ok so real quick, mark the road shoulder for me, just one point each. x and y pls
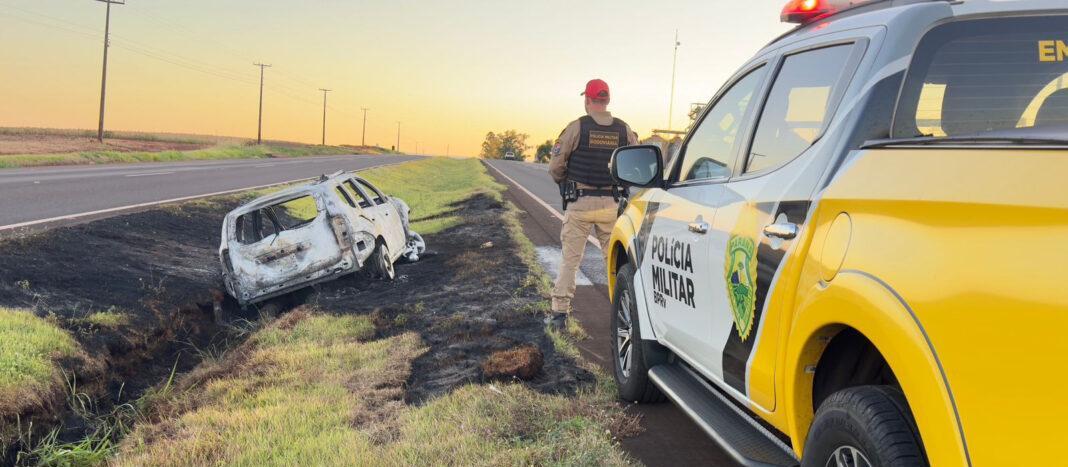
(668, 438)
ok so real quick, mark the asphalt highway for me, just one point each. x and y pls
(669, 438)
(39, 197)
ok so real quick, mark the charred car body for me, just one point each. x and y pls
(313, 233)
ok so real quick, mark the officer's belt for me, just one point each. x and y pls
(582, 192)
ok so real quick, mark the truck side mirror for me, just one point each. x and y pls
(639, 166)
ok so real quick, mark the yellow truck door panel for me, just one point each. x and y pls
(975, 243)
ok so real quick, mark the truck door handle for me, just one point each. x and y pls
(699, 227)
(783, 230)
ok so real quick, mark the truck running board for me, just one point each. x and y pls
(735, 431)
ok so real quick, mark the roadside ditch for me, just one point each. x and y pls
(136, 293)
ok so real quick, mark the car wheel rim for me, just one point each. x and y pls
(624, 346)
(848, 456)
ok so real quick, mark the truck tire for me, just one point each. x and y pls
(381, 267)
(864, 426)
(634, 356)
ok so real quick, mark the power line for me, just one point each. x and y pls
(135, 47)
(114, 40)
(93, 35)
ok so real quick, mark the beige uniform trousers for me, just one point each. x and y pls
(596, 213)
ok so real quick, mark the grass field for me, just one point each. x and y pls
(124, 135)
(113, 151)
(28, 354)
(318, 389)
(432, 187)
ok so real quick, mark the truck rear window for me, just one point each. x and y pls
(990, 75)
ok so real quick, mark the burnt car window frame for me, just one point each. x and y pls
(365, 201)
(340, 191)
(282, 227)
(379, 198)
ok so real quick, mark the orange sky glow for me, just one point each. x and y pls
(450, 71)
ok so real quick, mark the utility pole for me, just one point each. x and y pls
(674, 63)
(363, 139)
(324, 113)
(447, 150)
(259, 125)
(104, 73)
(398, 136)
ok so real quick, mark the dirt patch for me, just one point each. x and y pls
(57, 144)
(523, 362)
(467, 302)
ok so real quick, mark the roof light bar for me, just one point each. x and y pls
(807, 11)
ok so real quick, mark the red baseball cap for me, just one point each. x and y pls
(596, 89)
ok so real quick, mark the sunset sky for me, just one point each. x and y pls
(449, 70)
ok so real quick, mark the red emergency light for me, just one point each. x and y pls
(803, 11)
(807, 11)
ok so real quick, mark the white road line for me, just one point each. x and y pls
(552, 210)
(264, 165)
(150, 174)
(168, 201)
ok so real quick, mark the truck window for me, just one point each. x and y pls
(987, 75)
(798, 106)
(711, 151)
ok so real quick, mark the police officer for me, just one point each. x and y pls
(579, 163)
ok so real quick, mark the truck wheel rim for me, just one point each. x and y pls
(848, 456)
(624, 346)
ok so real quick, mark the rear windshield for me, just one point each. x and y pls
(991, 75)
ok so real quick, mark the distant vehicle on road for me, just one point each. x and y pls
(857, 257)
(301, 236)
(511, 156)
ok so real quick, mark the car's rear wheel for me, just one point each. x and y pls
(381, 266)
(633, 355)
(865, 426)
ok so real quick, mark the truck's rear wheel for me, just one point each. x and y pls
(865, 426)
(381, 267)
(633, 355)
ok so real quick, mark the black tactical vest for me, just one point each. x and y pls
(588, 164)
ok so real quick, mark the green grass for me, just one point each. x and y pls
(127, 135)
(432, 187)
(212, 153)
(28, 354)
(108, 319)
(316, 390)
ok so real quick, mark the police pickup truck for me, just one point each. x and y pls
(858, 257)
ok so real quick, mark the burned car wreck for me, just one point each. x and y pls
(301, 236)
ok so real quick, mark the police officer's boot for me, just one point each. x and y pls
(557, 321)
